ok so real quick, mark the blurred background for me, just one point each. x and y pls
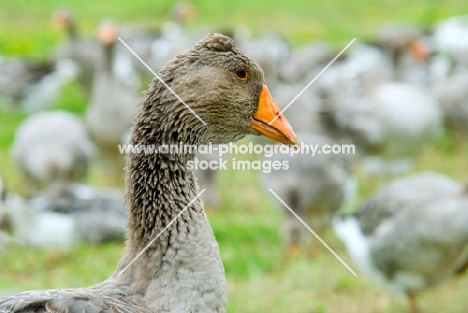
(68, 90)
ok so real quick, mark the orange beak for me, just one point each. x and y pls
(279, 130)
(419, 49)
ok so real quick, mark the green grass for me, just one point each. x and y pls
(26, 27)
(261, 278)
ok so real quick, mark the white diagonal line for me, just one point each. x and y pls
(313, 233)
(160, 233)
(312, 81)
(163, 82)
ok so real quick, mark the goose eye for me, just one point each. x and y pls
(241, 74)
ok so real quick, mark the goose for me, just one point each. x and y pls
(84, 52)
(66, 214)
(180, 270)
(31, 86)
(52, 147)
(409, 235)
(111, 107)
(452, 96)
(450, 37)
(390, 121)
(173, 41)
(406, 48)
(315, 187)
(306, 62)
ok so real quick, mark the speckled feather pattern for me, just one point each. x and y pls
(182, 270)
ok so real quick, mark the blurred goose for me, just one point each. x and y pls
(67, 214)
(406, 48)
(16, 76)
(84, 52)
(305, 62)
(304, 113)
(173, 41)
(452, 95)
(389, 121)
(111, 108)
(410, 234)
(52, 147)
(183, 11)
(171, 262)
(314, 187)
(451, 37)
(31, 86)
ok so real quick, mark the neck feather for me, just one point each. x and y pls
(159, 186)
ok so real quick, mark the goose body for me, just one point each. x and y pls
(450, 37)
(179, 271)
(410, 235)
(84, 52)
(50, 147)
(304, 112)
(30, 86)
(305, 63)
(452, 95)
(389, 120)
(111, 108)
(66, 215)
(314, 187)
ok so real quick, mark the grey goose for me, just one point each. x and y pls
(181, 271)
(52, 147)
(410, 235)
(314, 187)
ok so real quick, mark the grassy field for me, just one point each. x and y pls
(261, 278)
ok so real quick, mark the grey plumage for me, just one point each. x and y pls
(98, 214)
(452, 95)
(403, 193)
(30, 86)
(84, 52)
(70, 214)
(52, 147)
(315, 187)
(411, 234)
(112, 105)
(181, 271)
(389, 120)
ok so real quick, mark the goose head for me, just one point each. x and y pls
(226, 95)
(64, 20)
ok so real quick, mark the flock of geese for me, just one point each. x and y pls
(390, 98)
